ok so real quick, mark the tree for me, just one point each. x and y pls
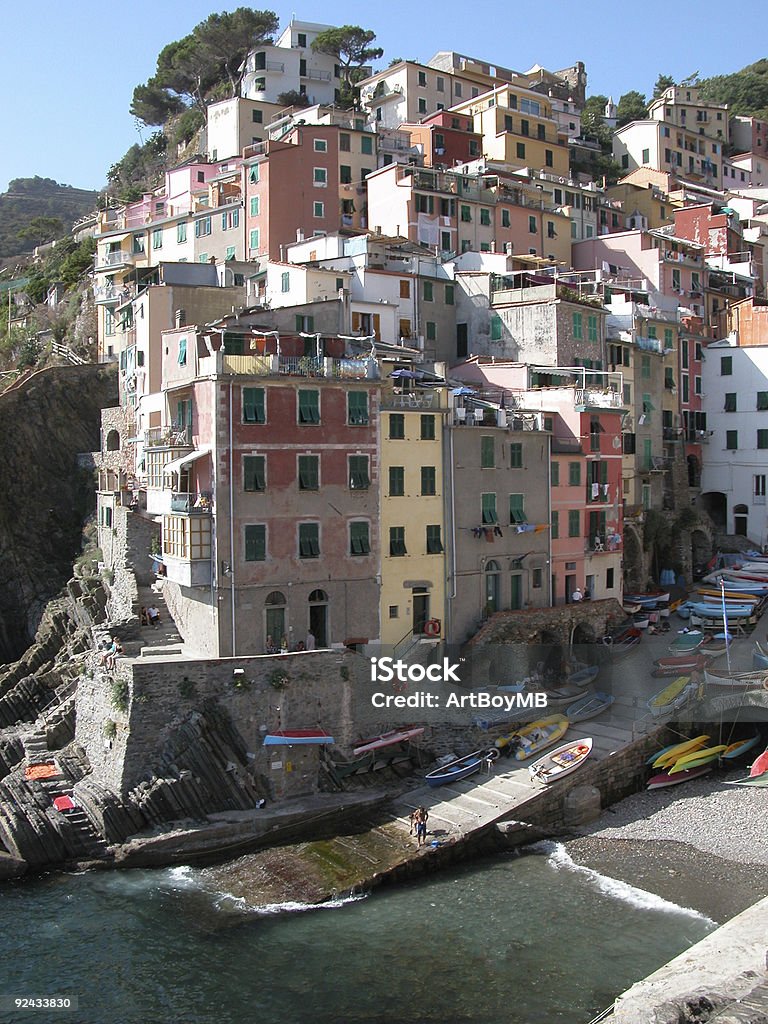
(593, 121)
(663, 82)
(351, 46)
(293, 98)
(189, 69)
(632, 106)
(42, 229)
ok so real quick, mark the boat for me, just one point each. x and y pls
(695, 758)
(529, 740)
(297, 737)
(387, 739)
(759, 657)
(688, 641)
(735, 586)
(648, 600)
(680, 664)
(641, 620)
(461, 768)
(673, 696)
(584, 676)
(358, 766)
(759, 780)
(723, 677)
(710, 610)
(588, 706)
(663, 779)
(740, 747)
(760, 766)
(562, 761)
(631, 608)
(622, 641)
(668, 755)
(731, 594)
(561, 696)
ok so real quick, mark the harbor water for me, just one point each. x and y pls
(529, 939)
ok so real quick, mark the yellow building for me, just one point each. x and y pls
(518, 129)
(413, 534)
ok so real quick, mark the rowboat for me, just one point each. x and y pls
(641, 620)
(461, 768)
(740, 747)
(529, 740)
(561, 761)
(710, 610)
(358, 766)
(648, 600)
(720, 677)
(675, 666)
(731, 594)
(673, 696)
(663, 780)
(562, 696)
(666, 757)
(297, 737)
(696, 758)
(588, 706)
(734, 585)
(584, 676)
(687, 642)
(387, 739)
(622, 641)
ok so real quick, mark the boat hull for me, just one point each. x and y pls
(459, 769)
(535, 737)
(663, 780)
(562, 761)
(589, 706)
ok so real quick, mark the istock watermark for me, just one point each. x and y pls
(386, 670)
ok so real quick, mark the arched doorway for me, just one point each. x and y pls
(113, 441)
(492, 587)
(715, 505)
(740, 520)
(274, 618)
(318, 617)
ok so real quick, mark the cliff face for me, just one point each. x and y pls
(45, 492)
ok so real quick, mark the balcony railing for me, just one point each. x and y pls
(316, 76)
(411, 400)
(295, 366)
(112, 293)
(191, 502)
(649, 344)
(170, 436)
(115, 259)
(600, 399)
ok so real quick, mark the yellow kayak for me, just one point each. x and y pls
(696, 758)
(670, 692)
(672, 755)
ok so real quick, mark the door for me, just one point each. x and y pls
(570, 586)
(420, 610)
(516, 595)
(318, 620)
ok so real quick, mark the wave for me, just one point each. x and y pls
(287, 907)
(560, 859)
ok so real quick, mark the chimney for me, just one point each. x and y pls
(180, 318)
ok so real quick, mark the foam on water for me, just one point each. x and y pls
(287, 907)
(560, 858)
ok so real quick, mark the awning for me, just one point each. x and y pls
(184, 460)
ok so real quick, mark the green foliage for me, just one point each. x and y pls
(39, 201)
(663, 82)
(187, 688)
(68, 262)
(593, 122)
(187, 126)
(140, 167)
(351, 46)
(29, 353)
(153, 104)
(110, 729)
(119, 694)
(293, 98)
(632, 106)
(278, 680)
(745, 91)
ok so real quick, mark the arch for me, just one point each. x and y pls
(318, 619)
(715, 504)
(318, 597)
(113, 441)
(275, 625)
(740, 520)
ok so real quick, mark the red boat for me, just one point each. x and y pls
(682, 664)
(662, 780)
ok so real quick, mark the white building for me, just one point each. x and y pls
(735, 462)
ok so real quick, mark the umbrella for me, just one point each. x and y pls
(463, 391)
(405, 375)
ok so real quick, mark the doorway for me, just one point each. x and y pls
(516, 595)
(570, 586)
(420, 609)
(318, 617)
(274, 619)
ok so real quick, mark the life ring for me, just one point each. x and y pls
(432, 627)
(493, 754)
(607, 640)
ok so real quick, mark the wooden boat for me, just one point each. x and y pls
(622, 641)
(731, 594)
(561, 761)
(668, 755)
(529, 740)
(388, 739)
(711, 610)
(683, 663)
(562, 696)
(737, 586)
(297, 737)
(696, 758)
(722, 677)
(735, 750)
(663, 780)
(673, 696)
(648, 600)
(461, 768)
(630, 608)
(584, 676)
(687, 642)
(641, 620)
(588, 706)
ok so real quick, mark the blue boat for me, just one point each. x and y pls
(460, 768)
(584, 676)
(710, 610)
(297, 737)
(588, 706)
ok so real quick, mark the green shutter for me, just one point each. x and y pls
(357, 408)
(309, 540)
(359, 539)
(487, 452)
(309, 406)
(515, 456)
(488, 505)
(517, 509)
(253, 473)
(434, 543)
(253, 405)
(396, 481)
(359, 479)
(255, 543)
(309, 472)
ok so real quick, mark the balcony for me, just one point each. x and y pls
(411, 400)
(672, 433)
(294, 366)
(653, 463)
(111, 293)
(172, 436)
(110, 260)
(316, 76)
(598, 546)
(187, 549)
(598, 399)
(192, 502)
(649, 344)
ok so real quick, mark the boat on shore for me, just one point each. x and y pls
(297, 737)
(648, 600)
(589, 706)
(689, 641)
(674, 696)
(740, 747)
(622, 641)
(525, 742)
(562, 761)
(461, 768)
(388, 739)
(696, 758)
(583, 676)
(668, 755)
(677, 665)
(663, 779)
(721, 676)
(759, 657)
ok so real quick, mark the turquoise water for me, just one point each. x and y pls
(526, 939)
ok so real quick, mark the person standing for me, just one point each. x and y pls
(577, 595)
(310, 643)
(421, 826)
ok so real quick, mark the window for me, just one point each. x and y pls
(359, 477)
(762, 439)
(554, 474)
(485, 217)
(320, 146)
(257, 117)
(427, 428)
(532, 225)
(309, 472)
(434, 543)
(397, 541)
(202, 227)
(495, 327)
(609, 579)
(574, 474)
(422, 106)
(345, 174)
(366, 145)
(520, 150)
(487, 452)
(428, 291)
(551, 233)
(319, 177)
(357, 408)
(505, 218)
(466, 214)
(488, 507)
(759, 486)
(309, 540)
(254, 239)
(202, 257)
(405, 289)
(359, 539)
(591, 328)
(230, 253)
(525, 127)
(431, 330)
(449, 294)
(726, 366)
(646, 156)
(549, 158)
(301, 39)
(138, 244)
(304, 324)
(254, 478)
(516, 456)
(732, 440)
(578, 333)
(574, 523)
(255, 543)
(254, 174)
(318, 209)
(396, 481)
(428, 486)
(397, 426)
(182, 357)
(422, 78)
(309, 406)
(554, 530)
(645, 367)
(730, 401)
(345, 142)
(517, 509)
(424, 204)
(285, 282)
(181, 232)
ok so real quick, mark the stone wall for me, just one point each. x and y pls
(529, 626)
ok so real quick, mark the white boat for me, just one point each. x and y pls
(561, 761)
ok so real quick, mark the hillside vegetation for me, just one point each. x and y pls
(36, 210)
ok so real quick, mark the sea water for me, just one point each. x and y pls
(527, 939)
